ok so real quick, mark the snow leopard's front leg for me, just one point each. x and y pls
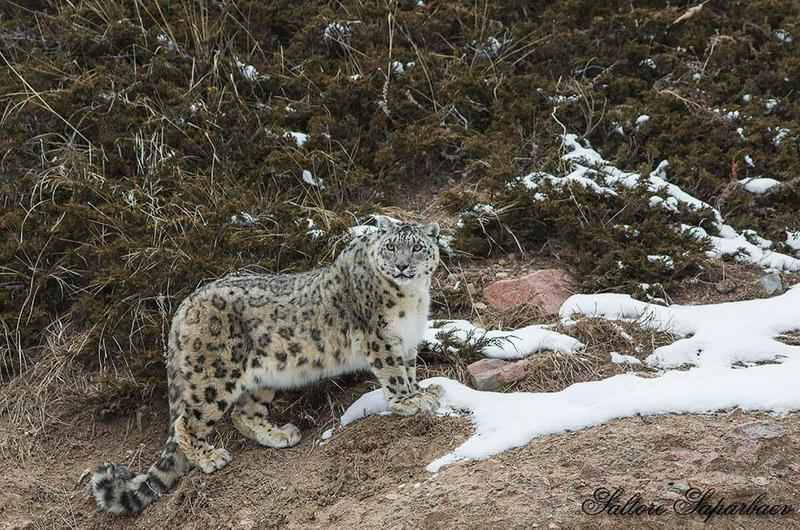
(397, 375)
(410, 362)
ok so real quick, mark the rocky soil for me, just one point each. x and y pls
(371, 475)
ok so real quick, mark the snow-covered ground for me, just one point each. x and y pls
(717, 335)
(737, 359)
(733, 351)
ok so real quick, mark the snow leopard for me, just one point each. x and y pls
(237, 340)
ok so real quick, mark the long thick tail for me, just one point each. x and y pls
(117, 490)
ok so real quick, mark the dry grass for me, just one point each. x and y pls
(44, 395)
(552, 372)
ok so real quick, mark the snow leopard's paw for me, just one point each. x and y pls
(436, 390)
(423, 401)
(213, 458)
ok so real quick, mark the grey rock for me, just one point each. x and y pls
(771, 283)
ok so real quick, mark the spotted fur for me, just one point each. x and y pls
(235, 341)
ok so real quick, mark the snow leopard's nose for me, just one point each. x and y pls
(401, 268)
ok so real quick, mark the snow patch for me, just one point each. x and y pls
(724, 342)
(732, 115)
(505, 421)
(780, 136)
(360, 230)
(641, 120)
(670, 204)
(770, 105)
(558, 99)
(759, 186)
(793, 240)
(533, 180)
(337, 32)
(490, 48)
(756, 239)
(167, 43)
(476, 211)
(514, 344)
(247, 70)
(718, 335)
(299, 138)
(446, 244)
(784, 36)
(664, 260)
(620, 358)
(244, 219)
(585, 162)
(196, 107)
(311, 180)
(313, 232)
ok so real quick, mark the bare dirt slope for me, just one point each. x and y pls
(372, 475)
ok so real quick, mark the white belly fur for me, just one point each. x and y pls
(291, 379)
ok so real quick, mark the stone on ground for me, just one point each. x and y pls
(546, 288)
(771, 283)
(491, 374)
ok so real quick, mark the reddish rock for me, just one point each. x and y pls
(546, 288)
(491, 374)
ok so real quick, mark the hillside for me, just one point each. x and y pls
(636, 148)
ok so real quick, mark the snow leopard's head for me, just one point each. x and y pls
(404, 252)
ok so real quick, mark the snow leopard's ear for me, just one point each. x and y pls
(384, 223)
(432, 230)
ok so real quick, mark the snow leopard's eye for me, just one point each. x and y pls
(417, 248)
(390, 247)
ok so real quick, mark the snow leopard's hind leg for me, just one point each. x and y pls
(250, 418)
(204, 401)
(192, 437)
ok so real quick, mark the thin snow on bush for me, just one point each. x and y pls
(247, 70)
(514, 344)
(590, 170)
(312, 180)
(337, 32)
